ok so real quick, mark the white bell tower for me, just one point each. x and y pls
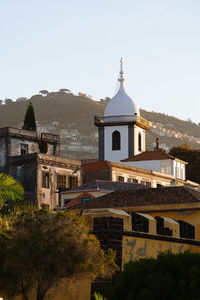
(121, 130)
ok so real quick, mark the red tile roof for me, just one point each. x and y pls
(100, 165)
(101, 185)
(159, 154)
(144, 197)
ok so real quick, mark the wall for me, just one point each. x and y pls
(50, 195)
(135, 248)
(191, 216)
(179, 166)
(26, 174)
(146, 176)
(146, 164)
(3, 153)
(116, 155)
(138, 130)
(14, 146)
(104, 174)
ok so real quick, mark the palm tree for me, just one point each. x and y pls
(9, 189)
(98, 296)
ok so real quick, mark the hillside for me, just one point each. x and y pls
(72, 117)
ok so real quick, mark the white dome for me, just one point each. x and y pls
(121, 105)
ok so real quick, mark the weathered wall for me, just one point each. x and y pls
(3, 153)
(97, 175)
(134, 248)
(191, 216)
(26, 174)
(50, 195)
(14, 146)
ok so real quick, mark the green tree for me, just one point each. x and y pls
(9, 189)
(170, 276)
(44, 247)
(192, 156)
(29, 119)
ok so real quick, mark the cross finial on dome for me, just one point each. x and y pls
(121, 73)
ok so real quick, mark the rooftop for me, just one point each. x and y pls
(106, 185)
(158, 154)
(144, 197)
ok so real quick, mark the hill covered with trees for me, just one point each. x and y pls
(72, 116)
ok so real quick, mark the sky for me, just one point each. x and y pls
(54, 44)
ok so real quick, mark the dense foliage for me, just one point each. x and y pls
(42, 247)
(170, 276)
(192, 156)
(29, 119)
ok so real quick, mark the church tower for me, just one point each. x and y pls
(121, 130)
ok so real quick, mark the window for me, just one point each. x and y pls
(73, 182)
(177, 172)
(84, 199)
(139, 223)
(186, 230)
(65, 201)
(45, 180)
(147, 183)
(132, 180)
(61, 181)
(158, 185)
(160, 227)
(120, 178)
(24, 149)
(108, 223)
(139, 142)
(166, 167)
(182, 177)
(116, 140)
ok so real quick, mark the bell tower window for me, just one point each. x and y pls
(116, 140)
(139, 142)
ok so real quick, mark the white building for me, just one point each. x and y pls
(122, 137)
(121, 130)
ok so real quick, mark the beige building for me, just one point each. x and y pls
(114, 171)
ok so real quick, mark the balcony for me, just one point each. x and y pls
(121, 120)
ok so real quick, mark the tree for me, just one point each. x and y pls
(29, 119)
(9, 189)
(8, 101)
(44, 247)
(192, 156)
(169, 276)
(44, 92)
(21, 99)
(64, 91)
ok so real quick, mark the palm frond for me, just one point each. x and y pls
(98, 296)
(9, 188)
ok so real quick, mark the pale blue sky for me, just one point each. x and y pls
(53, 44)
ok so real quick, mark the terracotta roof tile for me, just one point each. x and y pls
(142, 197)
(100, 165)
(150, 155)
(158, 154)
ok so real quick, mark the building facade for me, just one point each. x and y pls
(36, 163)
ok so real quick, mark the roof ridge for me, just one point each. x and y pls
(189, 190)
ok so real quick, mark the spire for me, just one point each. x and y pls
(121, 73)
